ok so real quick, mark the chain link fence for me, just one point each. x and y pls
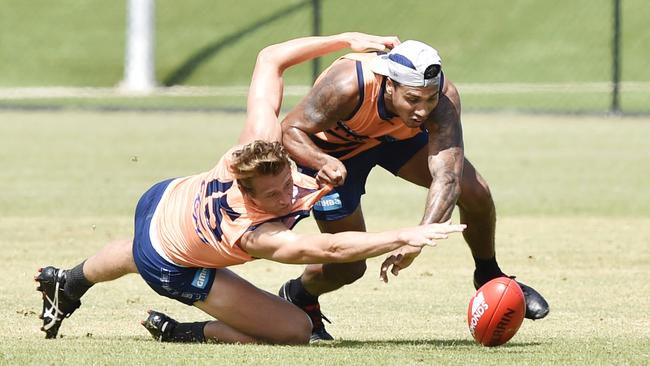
(551, 56)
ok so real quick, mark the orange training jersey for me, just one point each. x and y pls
(370, 123)
(201, 218)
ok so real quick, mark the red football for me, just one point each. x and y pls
(496, 311)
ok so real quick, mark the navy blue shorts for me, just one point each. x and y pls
(343, 200)
(184, 284)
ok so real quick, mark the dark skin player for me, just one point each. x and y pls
(440, 166)
(334, 98)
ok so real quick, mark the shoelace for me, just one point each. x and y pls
(53, 312)
(324, 318)
(315, 313)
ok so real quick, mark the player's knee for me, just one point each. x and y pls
(303, 332)
(357, 271)
(297, 333)
(124, 251)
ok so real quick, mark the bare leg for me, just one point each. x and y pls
(111, 262)
(478, 212)
(248, 314)
(217, 331)
(318, 279)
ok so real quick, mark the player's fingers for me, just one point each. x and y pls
(334, 178)
(446, 228)
(438, 236)
(340, 176)
(341, 171)
(343, 176)
(331, 171)
(382, 274)
(379, 46)
(384, 268)
(382, 271)
(392, 42)
(373, 46)
(429, 243)
(322, 179)
(326, 176)
(456, 228)
(397, 264)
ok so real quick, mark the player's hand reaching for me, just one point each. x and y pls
(415, 238)
(361, 42)
(398, 260)
(419, 236)
(333, 172)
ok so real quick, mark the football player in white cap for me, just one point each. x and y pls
(397, 111)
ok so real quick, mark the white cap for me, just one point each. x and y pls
(411, 63)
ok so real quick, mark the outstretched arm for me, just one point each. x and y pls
(274, 241)
(265, 93)
(445, 161)
(446, 157)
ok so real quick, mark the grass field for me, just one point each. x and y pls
(574, 221)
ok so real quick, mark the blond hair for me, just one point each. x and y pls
(258, 158)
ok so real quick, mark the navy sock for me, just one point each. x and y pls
(188, 333)
(298, 294)
(76, 284)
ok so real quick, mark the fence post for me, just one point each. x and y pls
(616, 58)
(139, 65)
(316, 31)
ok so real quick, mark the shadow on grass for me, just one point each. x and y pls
(350, 344)
(333, 344)
(438, 343)
(187, 68)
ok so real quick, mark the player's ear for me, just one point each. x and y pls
(390, 87)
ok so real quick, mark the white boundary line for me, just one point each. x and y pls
(300, 90)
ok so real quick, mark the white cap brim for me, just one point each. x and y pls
(379, 65)
(382, 65)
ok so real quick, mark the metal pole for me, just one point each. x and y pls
(316, 31)
(139, 75)
(616, 59)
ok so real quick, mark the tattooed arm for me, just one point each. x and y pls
(446, 159)
(332, 99)
(446, 156)
(265, 92)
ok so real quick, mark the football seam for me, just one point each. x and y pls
(503, 294)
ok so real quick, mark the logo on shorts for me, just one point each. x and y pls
(201, 278)
(329, 202)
